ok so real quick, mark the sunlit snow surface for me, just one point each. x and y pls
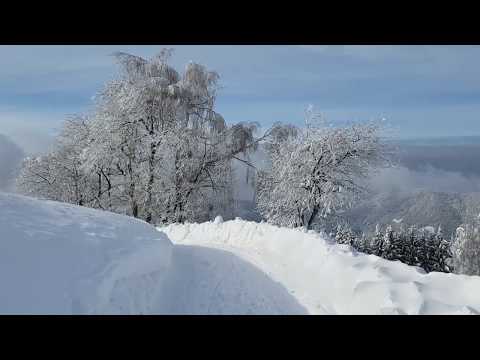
(326, 278)
(62, 259)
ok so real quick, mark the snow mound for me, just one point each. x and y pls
(62, 259)
(326, 278)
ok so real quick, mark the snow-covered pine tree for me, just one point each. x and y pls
(362, 243)
(345, 235)
(430, 251)
(411, 249)
(376, 243)
(387, 245)
(444, 252)
(421, 248)
(430, 258)
(399, 246)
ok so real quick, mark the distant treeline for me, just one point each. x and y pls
(422, 247)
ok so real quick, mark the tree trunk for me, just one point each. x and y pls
(151, 179)
(313, 215)
(133, 202)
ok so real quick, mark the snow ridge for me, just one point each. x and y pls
(327, 278)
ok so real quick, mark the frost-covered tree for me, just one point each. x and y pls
(362, 243)
(58, 175)
(466, 250)
(443, 252)
(315, 170)
(163, 141)
(417, 247)
(345, 235)
(154, 147)
(37, 178)
(388, 243)
(376, 243)
(411, 245)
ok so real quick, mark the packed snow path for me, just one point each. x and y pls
(63, 259)
(327, 278)
(211, 281)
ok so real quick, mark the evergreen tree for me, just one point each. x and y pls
(412, 257)
(400, 248)
(376, 244)
(444, 252)
(430, 251)
(362, 244)
(345, 235)
(387, 243)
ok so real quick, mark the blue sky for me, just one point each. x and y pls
(421, 91)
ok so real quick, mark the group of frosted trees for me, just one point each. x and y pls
(430, 250)
(317, 169)
(153, 148)
(412, 246)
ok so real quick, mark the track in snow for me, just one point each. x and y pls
(210, 281)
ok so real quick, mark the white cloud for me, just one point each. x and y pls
(429, 179)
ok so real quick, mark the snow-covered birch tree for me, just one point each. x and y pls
(153, 148)
(316, 169)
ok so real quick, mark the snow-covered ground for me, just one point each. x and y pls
(61, 259)
(327, 278)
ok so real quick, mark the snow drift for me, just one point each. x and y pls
(326, 278)
(62, 259)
